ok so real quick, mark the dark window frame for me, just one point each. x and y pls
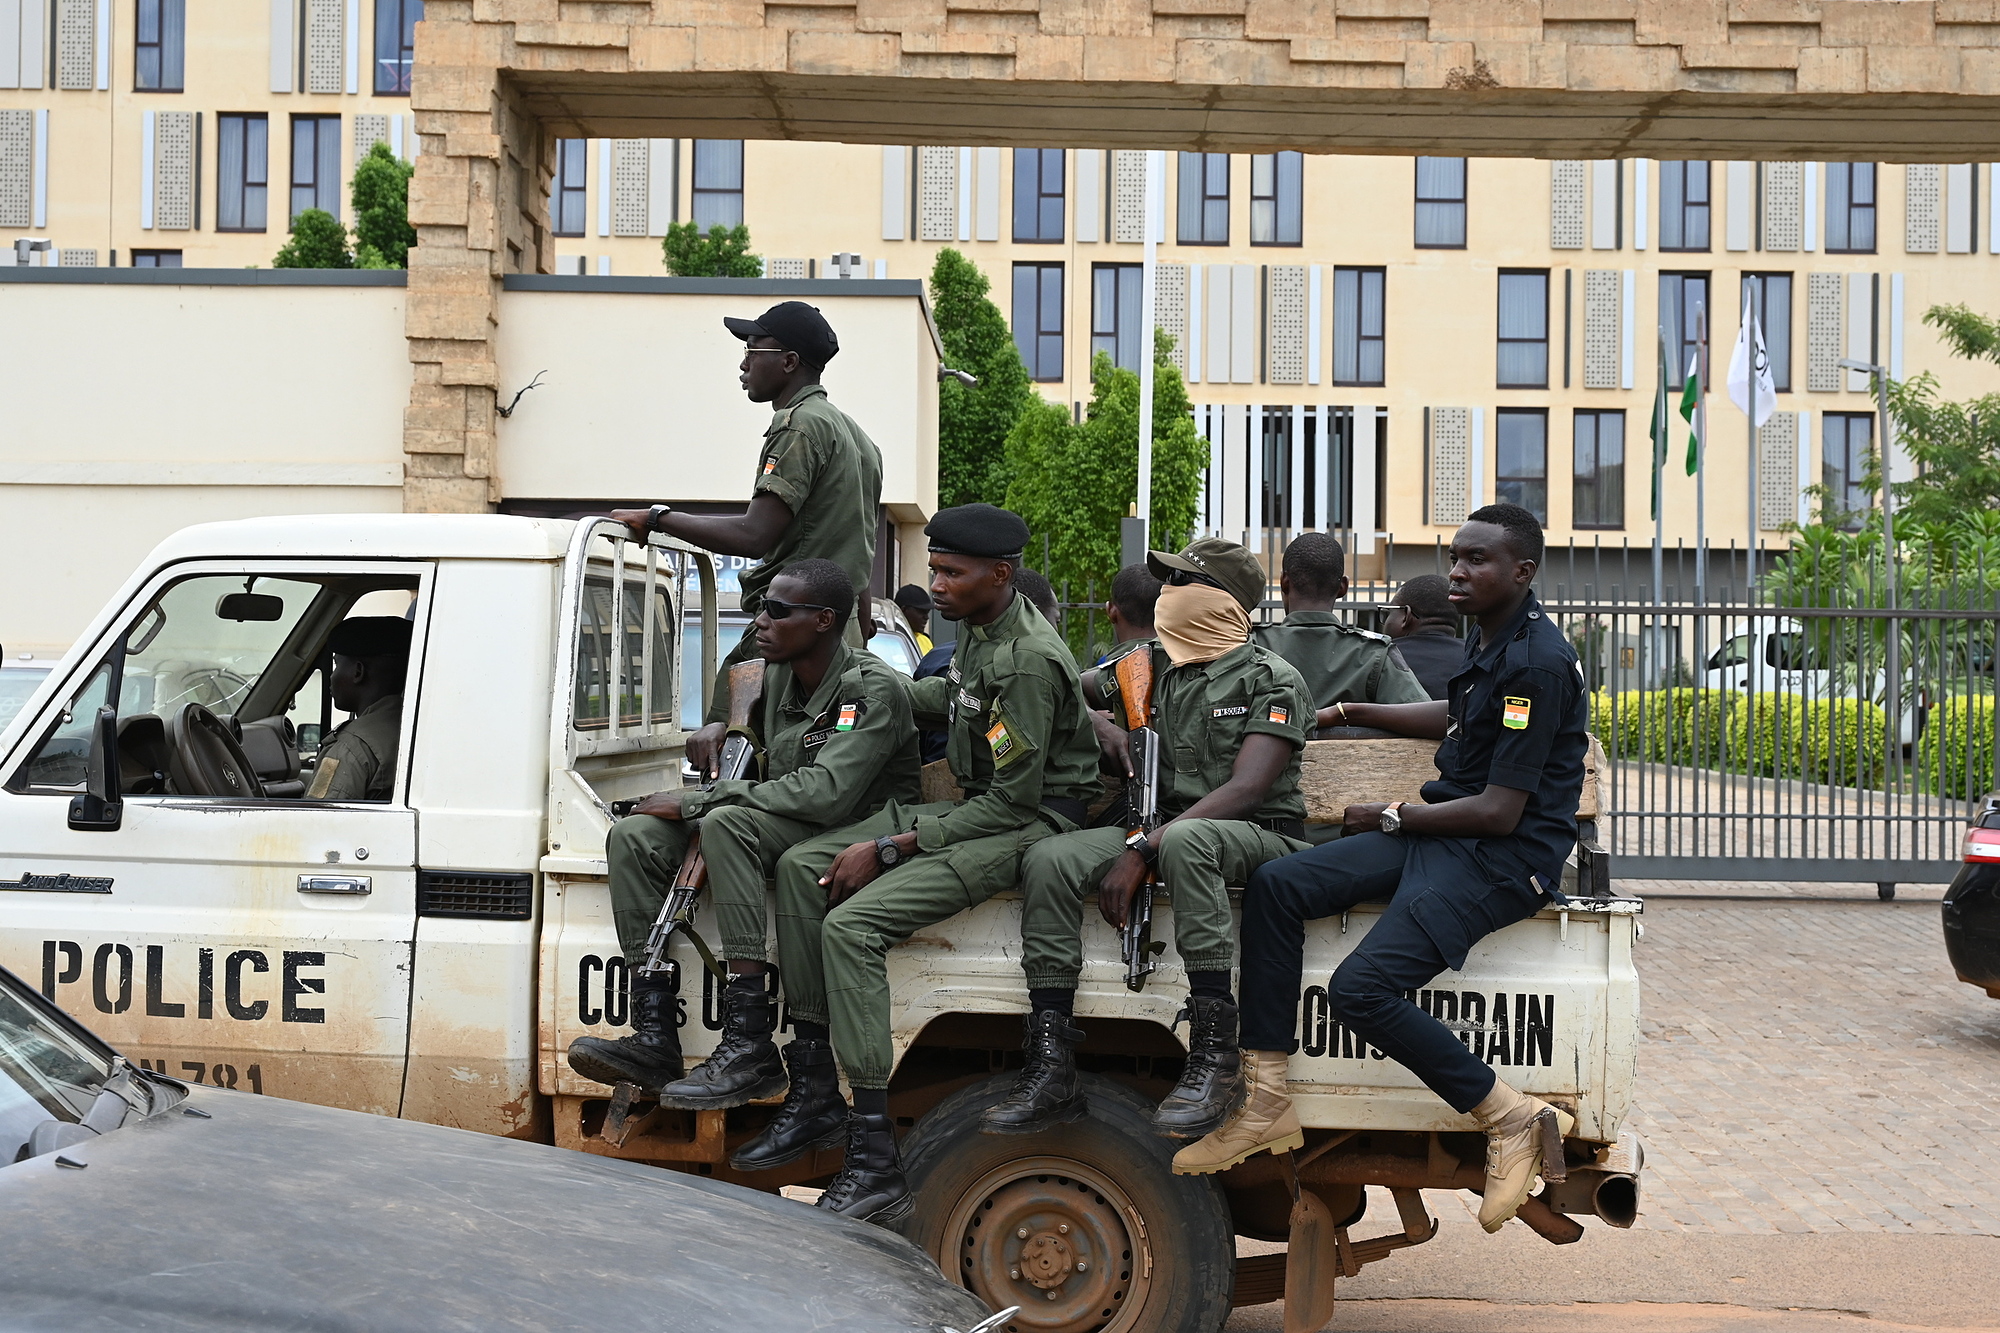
(1603, 491)
(1434, 201)
(395, 45)
(168, 47)
(1854, 465)
(704, 149)
(1042, 207)
(1208, 205)
(1043, 355)
(246, 184)
(325, 154)
(1362, 338)
(152, 258)
(1501, 340)
(1686, 342)
(1285, 198)
(1871, 210)
(1127, 286)
(1506, 485)
(570, 153)
(1688, 208)
(1777, 349)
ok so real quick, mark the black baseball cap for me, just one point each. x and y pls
(796, 326)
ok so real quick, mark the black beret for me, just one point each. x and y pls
(982, 530)
(371, 636)
(796, 326)
(912, 598)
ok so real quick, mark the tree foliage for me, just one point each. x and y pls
(1074, 483)
(974, 422)
(723, 253)
(318, 241)
(381, 194)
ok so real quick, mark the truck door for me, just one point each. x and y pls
(254, 938)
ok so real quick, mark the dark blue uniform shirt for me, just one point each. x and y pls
(1517, 718)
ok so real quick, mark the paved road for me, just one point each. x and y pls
(1821, 1105)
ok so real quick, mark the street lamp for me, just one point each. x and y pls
(1894, 693)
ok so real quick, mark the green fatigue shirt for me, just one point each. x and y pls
(829, 474)
(1203, 710)
(358, 761)
(1341, 664)
(1017, 732)
(833, 758)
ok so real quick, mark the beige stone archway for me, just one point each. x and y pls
(497, 81)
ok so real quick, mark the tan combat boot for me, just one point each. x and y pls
(1265, 1122)
(1514, 1124)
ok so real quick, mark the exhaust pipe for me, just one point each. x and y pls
(1608, 1188)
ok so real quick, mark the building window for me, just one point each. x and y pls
(1683, 299)
(1523, 358)
(156, 259)
(395, 44)
(1598, 499)
(1114, 313)
(1277, 191)
(1523, 474)
(1038, 319)
(1440, 203)
(316, 164)
(1850, 208)
(160, 46)
(1684, 206)
(1848, 440)
(1770, 295)
(242, 171)
(566, 190)
(1204, 199)
(1357, 326)
(718, 183)
(1038, 195)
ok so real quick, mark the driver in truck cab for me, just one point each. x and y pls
(838, 741)
(371, 656)
(1483, 852)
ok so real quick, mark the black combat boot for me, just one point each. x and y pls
(744, 1065)
(651, 1053)
(870, 1186)
(1212, 1080)
(1046, 1091)
(813, 1116)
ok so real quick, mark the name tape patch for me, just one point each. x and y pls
(1514, 713)
(814, 739)
(1239, 710)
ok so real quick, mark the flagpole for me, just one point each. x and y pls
(1659, 461)
(1750, 551)
(1701, 469)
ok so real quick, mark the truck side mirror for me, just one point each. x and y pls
(97, 809)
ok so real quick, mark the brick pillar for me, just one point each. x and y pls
(482, 159)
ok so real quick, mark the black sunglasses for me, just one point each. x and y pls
(778, 610)
(1181, 578)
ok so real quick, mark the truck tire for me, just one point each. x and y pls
(1103, 1236)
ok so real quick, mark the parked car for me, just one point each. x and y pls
(263, 1213)
(1778, 657)
(1972, 905)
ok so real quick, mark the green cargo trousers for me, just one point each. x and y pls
(1199, 859)
(741, 847)
(835, 963)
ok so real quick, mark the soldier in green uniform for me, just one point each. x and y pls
(357, 762)
(1341, 664)
(1233, 719)
(838, 742)
(817, 491)
(1020, 746)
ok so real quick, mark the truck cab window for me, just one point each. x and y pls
(611, 655)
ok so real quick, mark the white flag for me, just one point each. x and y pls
(1749, 360)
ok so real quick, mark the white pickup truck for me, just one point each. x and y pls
(431, 956)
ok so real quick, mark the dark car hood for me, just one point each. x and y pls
(275, 1215)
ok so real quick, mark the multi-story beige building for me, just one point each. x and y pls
(1372, 343)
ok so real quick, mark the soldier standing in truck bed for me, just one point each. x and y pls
(1341, 664)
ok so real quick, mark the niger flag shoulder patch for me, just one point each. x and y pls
(1280, 714)
(1514, 713)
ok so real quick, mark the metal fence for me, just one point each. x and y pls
(1746, 740)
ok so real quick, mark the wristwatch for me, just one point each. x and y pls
(655, 514)
(1392, 818)
(888, 853)
(1140, 843)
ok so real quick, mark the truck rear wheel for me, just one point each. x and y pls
(1085, 1227)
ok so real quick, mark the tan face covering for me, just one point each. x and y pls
(1198, 623)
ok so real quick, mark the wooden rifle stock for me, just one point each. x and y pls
(1134, 673)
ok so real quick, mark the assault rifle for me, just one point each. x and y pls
(1134, 673)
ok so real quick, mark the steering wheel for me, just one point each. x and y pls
(204, 758)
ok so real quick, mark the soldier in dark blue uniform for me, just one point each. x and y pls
(1485, 850)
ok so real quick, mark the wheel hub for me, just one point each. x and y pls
(1052, 1238)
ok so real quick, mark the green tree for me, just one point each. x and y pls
(381, 194)
(723, 253)
(318, 241)
(973, 423)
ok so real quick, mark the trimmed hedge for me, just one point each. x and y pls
(1944, 766)
(1840, 742)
